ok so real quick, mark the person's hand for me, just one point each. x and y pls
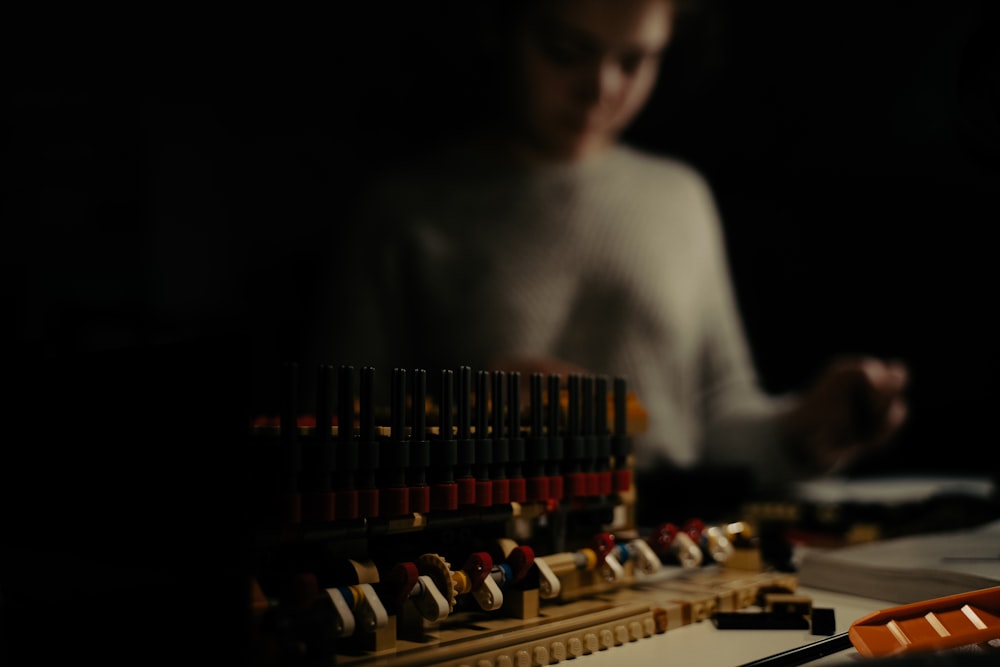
(855, 407)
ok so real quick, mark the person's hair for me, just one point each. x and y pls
(454, 60)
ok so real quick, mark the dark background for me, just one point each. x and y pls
(173, 181)
(174, 177)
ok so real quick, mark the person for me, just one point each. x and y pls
(541, 242)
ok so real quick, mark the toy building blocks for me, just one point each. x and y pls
(455, 527)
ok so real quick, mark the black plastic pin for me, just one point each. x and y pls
(553, 429)
(324, 414)
(501, 450)
(420, 450)
(291, 452)
(318, 455)
(395, 452)
(368, 447)
(466, 445)
(483, 456)
(621, 442)
(588, 460)
(444, 452)
(515, 439)
(537, 444)
(574, 444)
(347, 446)
(823, 621)
(602, 437)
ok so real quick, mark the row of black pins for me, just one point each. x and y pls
(462, 466)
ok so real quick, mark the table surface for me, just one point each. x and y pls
(703, 645)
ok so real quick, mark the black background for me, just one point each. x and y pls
(177, 176)
(172, 181)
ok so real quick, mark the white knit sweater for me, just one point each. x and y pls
(616, 263)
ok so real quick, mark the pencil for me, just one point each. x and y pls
(804, 654)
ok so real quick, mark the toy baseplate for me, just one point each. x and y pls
(575, 628)
(561, 632)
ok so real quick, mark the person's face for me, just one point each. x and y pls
(585, 69)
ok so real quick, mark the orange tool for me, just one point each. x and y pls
(940, 623)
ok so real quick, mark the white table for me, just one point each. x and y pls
(703, 645)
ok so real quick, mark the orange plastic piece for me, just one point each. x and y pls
(939, 623)
(636, 416)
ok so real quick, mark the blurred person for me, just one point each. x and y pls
(540, 242)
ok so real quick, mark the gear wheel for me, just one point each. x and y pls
(439, 570)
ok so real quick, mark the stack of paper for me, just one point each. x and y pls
(908, 569)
